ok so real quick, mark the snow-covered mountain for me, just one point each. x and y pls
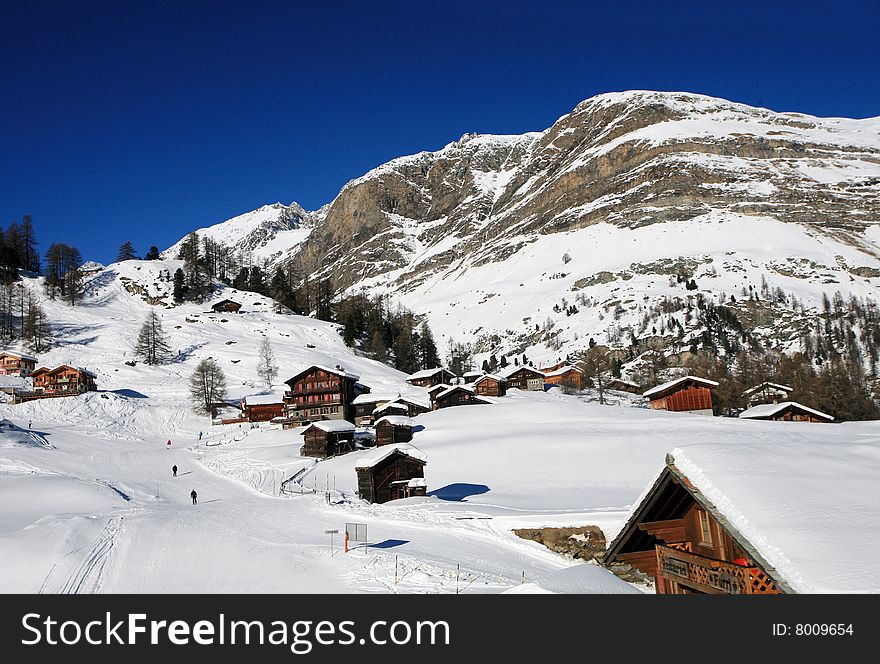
(614, 208)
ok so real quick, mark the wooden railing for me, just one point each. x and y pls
(710, 575)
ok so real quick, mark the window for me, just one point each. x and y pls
(705, 528)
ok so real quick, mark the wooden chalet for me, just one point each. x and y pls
(431, 377)
(17, 364)
(471, 376)
(365, 404)
(262, 407)
(621, 385)
(458, 395)
(786, 411)
(226, 307)
(767, 393)
(393, 429)
(524, 378)
(390, 408)
(64, 380)
(491, 385)
(391, 472)
(689, 394)
(679, 537)
(566, 375)
(327, 438)
(322, 393)
(434, 390)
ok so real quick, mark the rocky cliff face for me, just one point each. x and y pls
(492, 237)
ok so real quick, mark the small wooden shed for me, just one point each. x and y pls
(393, 429)
(327, 438)
(786, 411)
(226, 306)
(491, 385)
(391, 472)
(429, 377)
(458, 395)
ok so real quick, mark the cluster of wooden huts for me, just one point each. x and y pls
(23, 381)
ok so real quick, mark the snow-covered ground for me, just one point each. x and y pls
(88, 502)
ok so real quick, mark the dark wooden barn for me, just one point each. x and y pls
(226, 306)
(413, 406)
(491, 385)
(525, 378)
(327, 438)
(393, 429)
(458, 395)
(391, 472)
(430, 377)
(690, 394)
(364, 405)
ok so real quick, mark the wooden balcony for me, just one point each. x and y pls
(711, 576)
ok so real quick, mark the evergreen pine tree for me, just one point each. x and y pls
(179, 291)
(126, 252)
(152, 254)
(427, 349)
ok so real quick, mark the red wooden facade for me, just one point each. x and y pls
(491, 386)
(687, 394)
(16, 364)
(63, 380)
(319, 393)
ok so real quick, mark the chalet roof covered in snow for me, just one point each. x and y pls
(397, 420)
(663, 387)
(330, 426)
(21, 356)
(806, 508)
(391, 405)
(263, 399)
(453, 388)
(472, 374)
(382, 453)
(339, 372)
(771, 409)
(509, 371)
(562, 371)
(426, 373)
(412, 401)
(489, 376)
(374, 397)
(440, 387)
(767, 385)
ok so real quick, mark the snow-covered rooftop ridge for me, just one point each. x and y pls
(672, 383)
(374, 397)
(330, 426)
(15, 353)
(562, 370)
(263, 399)
(411, 400)
(397, 420)
(454, 388)
(507, 372)
(382, 453)
(770, 409)
(338, 372)
(425, 373)
(766, 384)
(804, 507)
(490, 376)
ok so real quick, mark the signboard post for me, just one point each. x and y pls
(331, 533)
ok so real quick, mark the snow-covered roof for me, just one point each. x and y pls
(453, 388)
(397, 420)
(61, 367)
(672, 383)
(777, 386)
(426, 373)
(805, 507)
(439, 387)
(330, 426)
(338, 372)
(391, 405)
(771, 409)
(17, 382)
(468, 374)
(414, 402)
(562, 370)
(22, 356)
(373, 397)
(262, 399)
(382, 453)
(500, 379)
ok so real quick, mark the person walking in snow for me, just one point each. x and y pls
(194, 495)
(174, 470)
(200, 435)
(168, 444)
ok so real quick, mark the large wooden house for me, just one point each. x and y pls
(689, 394)
(785, 411)
(491, 385)
(262, 407)
(431, 377)
(524, 378)
(393, 429)
(63, 380)
(327, 438)
(566, 376)
(458, 395)
(365, 405)
(767, 392)
(17, 364)
(322, 393)
(226, 306)
(391, 472)
(679, 537)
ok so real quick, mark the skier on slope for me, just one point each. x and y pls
(174, 470)
(193, 495)
(168, 444)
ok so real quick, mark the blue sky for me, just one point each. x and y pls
(143, 121)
